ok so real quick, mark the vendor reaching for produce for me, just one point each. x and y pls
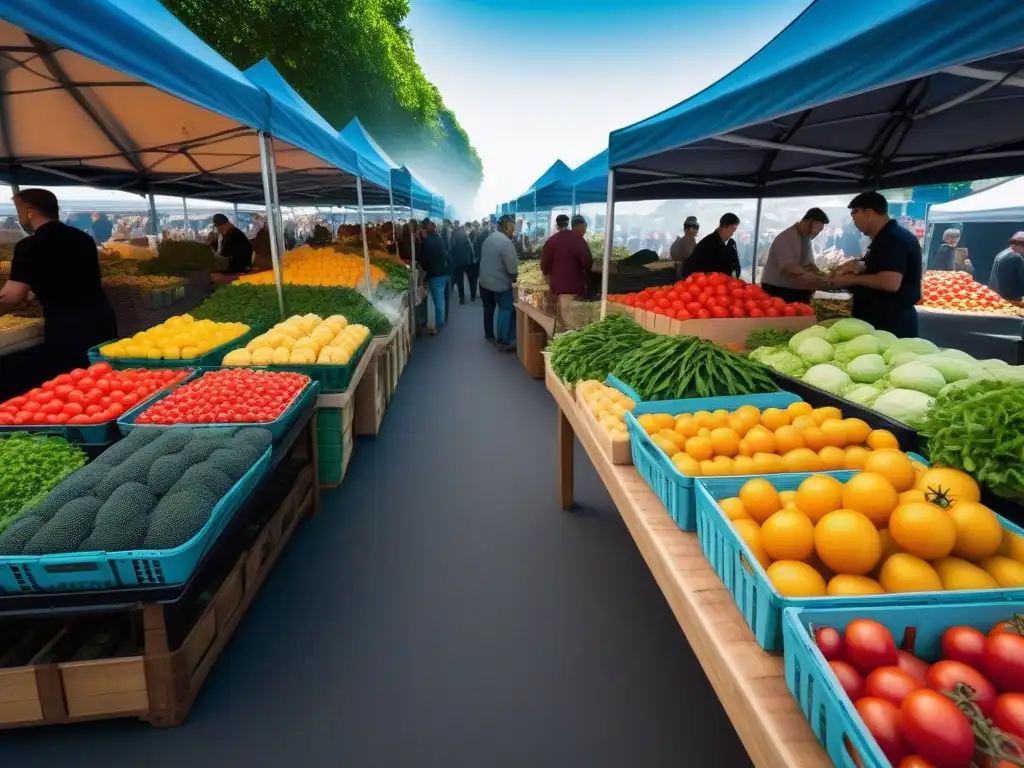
(59, 264)
(888, 282)
(566, 261)
(717, 252)
(234, 245)
(1008, 270)
(789, 272)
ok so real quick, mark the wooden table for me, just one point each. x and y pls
(748, 681)
(533, 329)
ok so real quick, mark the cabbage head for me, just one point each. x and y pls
(917, 376)
(759, 353)
(917, 346)
(867, 368)
(900, 358)
(828, 378)
(813, 351)
(951, 368)
(851, 350)
(1013, 374)
(993, 363)
(847, 328)
(885, 337)
(862, 394)
(957, 354)
(784, 361)
(904, 405)
(814, 332)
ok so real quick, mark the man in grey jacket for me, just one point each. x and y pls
(499, 268)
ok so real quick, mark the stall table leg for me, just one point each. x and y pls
(566, 446)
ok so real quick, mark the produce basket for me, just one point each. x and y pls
(210, 359)
(332, 378)
(828, 709)
(672, 487)
(306, 398)
(756, 597)
(77, 571)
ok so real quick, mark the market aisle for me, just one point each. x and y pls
(442, 611)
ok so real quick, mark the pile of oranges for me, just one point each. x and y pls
(749, 441)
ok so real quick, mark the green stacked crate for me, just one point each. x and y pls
(335, 443)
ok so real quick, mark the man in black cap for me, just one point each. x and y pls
(234, 245)
(789, 272)
(461, 253)
(682, 247)
(886, 283)
(1008, 270)
(433, 257)
(717, 252)
(566, 261)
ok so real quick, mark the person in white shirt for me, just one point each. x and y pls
(789, 271)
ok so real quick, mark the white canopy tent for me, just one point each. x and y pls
(1002, 203)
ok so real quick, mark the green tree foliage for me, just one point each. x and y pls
(347, 58)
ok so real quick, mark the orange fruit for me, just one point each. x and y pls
(889, 547)
(856, 455)
(749, 415)
(745, 449)
(700, 448)
(708, 468)
(906, 573)
(665, 420)
(744, 465)
(704, 432)
(847, 542)
(787, 497)
(686, 464)
(788, 438)
(769, 463)
(760, 499)
(799, 408)
(734, 509)
(832, 458)
(737, 425)
(818, 495)
(788, 535)
(814, 438)
(871, 495)
(673, 437)
(834, 432)
(649, 423)
(923, 530)
(802, 460)
(703, 418)
(979, 533)
(849, 585)
(804, 422)
(882, 438)
(666, 445)
(686, 425)
(725, 442)
(857, 431)
(912, 495)
(760, 440)
(894, 465)
(719, 418)
(723, 465)
(773, 418)
(750, 532)
(821, 415)
(951, 483)
(795, 579)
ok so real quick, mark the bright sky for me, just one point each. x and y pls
(537, 80)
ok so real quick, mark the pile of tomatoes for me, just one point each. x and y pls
(958, 292)
(965, 709)
(233, 396)
(92, 395)
(702, 296)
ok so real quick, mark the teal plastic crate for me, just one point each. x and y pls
(624, 388)
(828, 709)
(747, 582)
(306, 398)
(672, 487)
(333, 379)
(211, 358)
(76, 571)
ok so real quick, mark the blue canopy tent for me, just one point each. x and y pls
(588, 183)
(527, 202)
(437, 207)
(374, 162)
(409, 188)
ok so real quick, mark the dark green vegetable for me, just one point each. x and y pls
(594, 350)
(682, 367)
(31, 466)
(768, 337)
(979, 428)
(397, 274)
(179, 257)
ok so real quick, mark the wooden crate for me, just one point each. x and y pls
(371, 399)
(531, 340)
(616, 451)
(732, 330)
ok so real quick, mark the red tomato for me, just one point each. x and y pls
(98, 369)
(1004, 661)
(755, 312)
(703, 314)
(849, 679)
(882, 719)
(86, 383)
(944, 675)
(1004, 626)
(72, 409)
(830, 643)
(869, 645)
(76, 396)
(92, 410)
(53, 407)
(1008, 714)
(682, 314)
(915, 761)
(964, 644)
(891, 684)
(64, 378)
(772, 312)
(913, 666)
(936, 729)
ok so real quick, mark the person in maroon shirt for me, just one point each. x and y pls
(566, 260)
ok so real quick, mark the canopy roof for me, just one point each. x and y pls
(557, 171)
(873, 94)
(120, 94)
(589, 179)
(410, 190)
(1004, 202)
(374, 162)
(437, 207)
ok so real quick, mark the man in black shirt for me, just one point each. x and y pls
(887, 284)
(234, 245)
(60, 266)
(1008, 270)
(944, 258)
(716, 252)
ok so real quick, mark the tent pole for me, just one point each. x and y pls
(757, 235)
(235, 211)
(154, 225)
(188, 226)
(268, 172)
(15, 188)
(572, 208)
(391, 205)
(362, 228)
(609, 235)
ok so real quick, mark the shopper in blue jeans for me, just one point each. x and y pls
(433, 257)
(499, 268)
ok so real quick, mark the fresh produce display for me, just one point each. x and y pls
(896, 526)
(31, 465)
(303, 340)
(964, 708)
(14, 323)
(530, 275)
(749, 441)
(979, 428)
(144, 282)
(958, 292)
(181, 337)
(680, 367)
(768, 337)
(256, 306)
(703, 296)
(831, 309)
(307, 265)
(152, 490)
(595, 242)
(898, 378)
(594, 350)
(92, 395)
(230, 396)
(179, 258)
(397, 274)
(607, 405)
